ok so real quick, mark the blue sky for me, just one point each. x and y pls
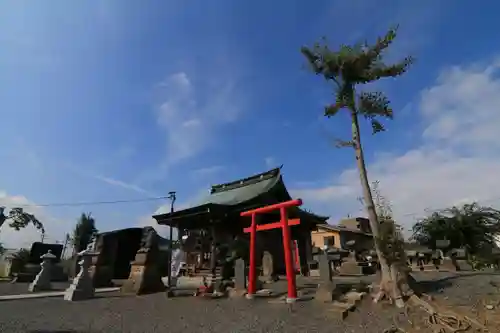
(121, 100)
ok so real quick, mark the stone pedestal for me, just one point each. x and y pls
(350, 266)
(43, 278)
(144, 275)
(326, 291)
(82, 287)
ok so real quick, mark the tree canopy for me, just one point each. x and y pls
(19, 219)
(84, 232)
(471, 226)
(354, 65)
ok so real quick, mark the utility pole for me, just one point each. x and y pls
(172, 197)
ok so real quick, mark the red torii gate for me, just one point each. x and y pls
(284, 224)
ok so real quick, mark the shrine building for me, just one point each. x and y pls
(216, 220)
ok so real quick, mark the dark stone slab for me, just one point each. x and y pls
(240, 276)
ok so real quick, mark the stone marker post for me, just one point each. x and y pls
(326, 288)
(240, 277)
(43, 278)
(82, 287)
(460, 260)
(268, 268)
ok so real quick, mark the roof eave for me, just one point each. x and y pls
(192, 211)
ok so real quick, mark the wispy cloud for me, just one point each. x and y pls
(208, 171)
(190, 112)
(119, 183)
(107, 180)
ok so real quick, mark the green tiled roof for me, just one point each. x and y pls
(239, 192)
(243, 190)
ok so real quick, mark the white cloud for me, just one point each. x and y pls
(162, 230)
(461, 107)
(459, 111)
(190, 113)
(55, 229)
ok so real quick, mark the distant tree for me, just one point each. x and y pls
(348, 68)
(83, 233)
(471, 226)
(19, 219)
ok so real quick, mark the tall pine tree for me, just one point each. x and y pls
(348, 68)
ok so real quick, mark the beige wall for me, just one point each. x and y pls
(317, 238)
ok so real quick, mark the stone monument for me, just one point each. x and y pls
(82, 287)
(43, 278)
(144, 275)
(350, 265)
(268, 266)
(240, 278)
(459, 257)
(326, 291)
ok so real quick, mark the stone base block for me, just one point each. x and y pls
(326, 293)
(351, 268)
(463, 265)
(73, 293)
(143, 279)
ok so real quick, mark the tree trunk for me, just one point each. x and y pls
(392, 278)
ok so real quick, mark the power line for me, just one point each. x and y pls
(88, 203)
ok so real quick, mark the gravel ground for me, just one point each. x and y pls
(155, 313)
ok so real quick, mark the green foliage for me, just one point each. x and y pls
(471, 226)
(354, 65)
(20, 219)
(84, 231)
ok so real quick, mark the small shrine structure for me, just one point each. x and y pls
(216, 220)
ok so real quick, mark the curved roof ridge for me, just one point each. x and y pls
(273, 173)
